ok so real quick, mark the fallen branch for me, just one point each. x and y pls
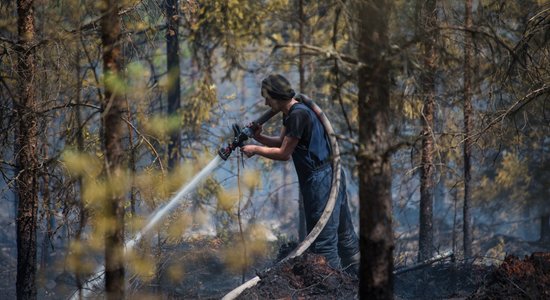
(425, 263)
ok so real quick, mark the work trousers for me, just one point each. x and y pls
(338, 241)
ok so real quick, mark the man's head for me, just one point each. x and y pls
(277, 87)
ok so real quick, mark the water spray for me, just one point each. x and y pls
(240, 137)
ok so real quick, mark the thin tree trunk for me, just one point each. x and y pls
(455, 221)
(545, 227)
(302, 227)
(173, 67)
(82, 211)
(468, 124)
(48, 213)
(429, 23)
(376, 235)
(113, 125)
(26, 154)
(301, 24)
(337, 93)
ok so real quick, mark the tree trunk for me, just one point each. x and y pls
(545, 228)
(301, 24)
(47, 206)
(113, 109)
(302, 227)
(376, 235)
(337, 90)
(82, 211)
(427, 81)
(26, 154)
(173, 67)
(468, 46)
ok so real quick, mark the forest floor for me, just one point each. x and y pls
(309, 277)
(523, 275)
(487, 277)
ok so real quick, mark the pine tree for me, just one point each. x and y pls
(376, 233)
(26, 155)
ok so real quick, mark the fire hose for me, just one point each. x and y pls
(242, 135)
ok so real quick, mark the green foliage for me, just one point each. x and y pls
(510, 182)
(199, 105)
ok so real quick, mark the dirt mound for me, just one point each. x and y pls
(307, 276)
(518, 279)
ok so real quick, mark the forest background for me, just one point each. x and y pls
(108, 107)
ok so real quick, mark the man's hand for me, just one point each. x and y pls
(257, 130)
(248, 150)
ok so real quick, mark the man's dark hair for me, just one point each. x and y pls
(278, 87)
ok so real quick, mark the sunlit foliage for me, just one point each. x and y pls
(243, 253)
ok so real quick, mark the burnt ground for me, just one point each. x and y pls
(305, 277)
(516, 278)
(309, 277)
(523, 276)
(445, 280)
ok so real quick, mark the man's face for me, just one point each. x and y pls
(270, 101)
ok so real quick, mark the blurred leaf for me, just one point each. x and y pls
(252, 178)
(161, 126)
(178, 227)
(227, 199)
(81, 164)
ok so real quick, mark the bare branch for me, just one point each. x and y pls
(93, 24)
(514, 108)
(157, 156)
(480, 30)
(8, 41)
(70, 104)
(329, 53)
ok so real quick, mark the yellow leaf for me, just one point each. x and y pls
(179, 226)
(227, 199)
(252, 178)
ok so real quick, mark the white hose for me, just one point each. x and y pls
(335, 188)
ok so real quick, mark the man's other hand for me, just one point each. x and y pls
(248, 150)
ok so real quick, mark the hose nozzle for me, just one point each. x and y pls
(240, 136)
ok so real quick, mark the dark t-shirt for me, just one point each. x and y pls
(313, 150)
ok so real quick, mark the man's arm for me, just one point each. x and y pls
(270, 141)
(276, 153)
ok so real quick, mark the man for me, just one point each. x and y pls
(303, 138)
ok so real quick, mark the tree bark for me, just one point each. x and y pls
(173, 67)
(113, 110)
(468, 124)
(376, 236)
(26, 153)
(427, 81)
